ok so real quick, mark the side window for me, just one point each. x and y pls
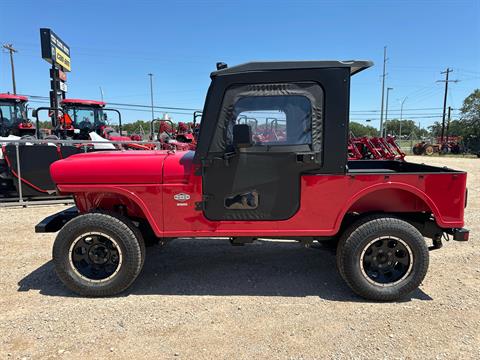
(274, 120)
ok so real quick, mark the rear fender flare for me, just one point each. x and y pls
(390, 185)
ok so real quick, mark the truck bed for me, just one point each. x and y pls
(392, 166)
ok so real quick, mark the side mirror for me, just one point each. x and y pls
(34, 112)
(242, 136)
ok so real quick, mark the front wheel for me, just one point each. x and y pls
(98, 254)
(382, 258)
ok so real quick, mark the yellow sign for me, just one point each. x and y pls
(62, 59)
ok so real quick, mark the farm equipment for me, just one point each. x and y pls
(299, 186)
(450, 144)
(376, 148)
(77, 120)
(82, 117)
(14, 116)
(171, 137)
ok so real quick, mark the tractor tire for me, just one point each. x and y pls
(382, 258)
(455, 149)
(417, 150)
(429, 150)
(98, 254)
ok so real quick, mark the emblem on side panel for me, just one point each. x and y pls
(181, 198)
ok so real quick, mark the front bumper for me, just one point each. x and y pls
(55, 222)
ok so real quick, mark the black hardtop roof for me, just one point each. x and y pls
(355, 66)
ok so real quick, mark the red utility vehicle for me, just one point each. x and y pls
(297, 186)
(13, 116)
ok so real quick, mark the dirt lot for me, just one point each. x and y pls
(199, 300)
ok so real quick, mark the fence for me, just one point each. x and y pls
(87, 145)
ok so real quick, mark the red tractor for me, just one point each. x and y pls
(82, 117)
(450, 144)
(14, 116)
(298, 186)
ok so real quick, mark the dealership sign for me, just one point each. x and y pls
(54, 50)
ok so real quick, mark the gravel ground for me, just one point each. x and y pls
(198, 299)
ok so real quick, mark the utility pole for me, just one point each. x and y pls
(386, 111)
(446, 81)
(10, 48)
(383, 86)
(401, 117)
(448, 120)
(101, 92)
(151, 94)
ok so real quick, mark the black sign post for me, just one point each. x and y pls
(57, 53)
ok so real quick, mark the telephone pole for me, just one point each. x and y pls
(383, 87)
(386, 113)
(446, 81)
(10, 48)
(448, 121)
(151, 94)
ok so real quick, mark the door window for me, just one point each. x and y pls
(274, 120)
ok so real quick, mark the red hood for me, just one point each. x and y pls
(122, 167)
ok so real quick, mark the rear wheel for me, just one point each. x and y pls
(429, 150)
(382, 258)
(98, 254)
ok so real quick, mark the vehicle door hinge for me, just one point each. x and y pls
(201, 205)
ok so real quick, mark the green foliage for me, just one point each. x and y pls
(470, 114)
(135, 127)
(359, 130)
(454, 129)
(469, 124)
(409, 127)
(45, 125)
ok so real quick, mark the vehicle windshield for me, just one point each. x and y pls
(12, 112)
(86, 117)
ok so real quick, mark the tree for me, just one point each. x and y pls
(359, 130)
(454, 129)
(408, 127)
(470, 114)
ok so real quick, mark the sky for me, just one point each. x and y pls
(115, 44)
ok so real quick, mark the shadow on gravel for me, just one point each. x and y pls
(214, 267)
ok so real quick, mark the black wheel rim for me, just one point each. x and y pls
(95, 257)
(386, 261)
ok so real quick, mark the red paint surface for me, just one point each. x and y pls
(146, 182)
(82, 102)
(13, 97)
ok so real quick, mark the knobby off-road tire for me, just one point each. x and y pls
(98, 254)
(382, 258)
